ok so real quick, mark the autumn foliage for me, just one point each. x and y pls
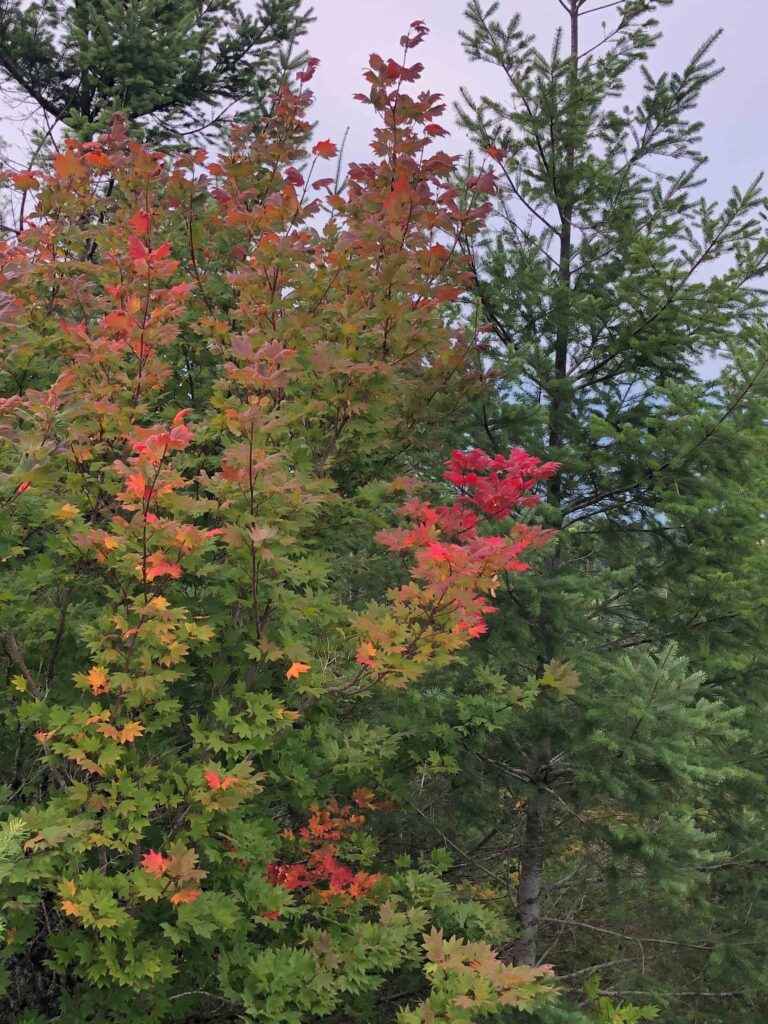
(220, 542)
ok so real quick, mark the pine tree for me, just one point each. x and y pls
(627, 328)
(178, 66)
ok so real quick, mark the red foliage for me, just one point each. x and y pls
(320, 870)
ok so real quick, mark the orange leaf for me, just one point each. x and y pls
(158, 565)
(185, 896)
(154, 863)
(97, 680)
(325, 149)
(296, 669)
(130, 731)
(366, 652)
(99, 160)
(73, 909)
(24, 181)
(68, 165)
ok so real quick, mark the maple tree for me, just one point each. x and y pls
(217, 377)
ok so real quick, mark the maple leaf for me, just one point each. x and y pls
(154, 863)
(140, 222)
(185, 896)
(215, 781)
(562, 677)
(296, 670)
(25, 181)
(136, 484)
(99, 160)
(130, 732)
(364, 798)
(42, 737)
(136, 248)
(309, 70)
(97, 680)
(366, 653)
(158, 565)
(325, 149)
(70, 908)
(69, 165)
(271, 915)
(66, 512)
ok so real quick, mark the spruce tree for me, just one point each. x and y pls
(619, 815)
(177, 66)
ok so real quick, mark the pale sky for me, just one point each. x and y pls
(735, 106)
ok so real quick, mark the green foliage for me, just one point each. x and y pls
(624, 318)
(166, 63)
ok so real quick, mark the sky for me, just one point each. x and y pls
(734, 108)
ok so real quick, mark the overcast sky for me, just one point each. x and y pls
(735, 106)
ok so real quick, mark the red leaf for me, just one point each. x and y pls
(154, 863)
(140, 222)
(309, 70)
(325, 149)
(136, 248)
(158, 565)
(215, 781)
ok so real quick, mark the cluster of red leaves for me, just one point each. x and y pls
(454, 562)
(320, 869)
(495, 485)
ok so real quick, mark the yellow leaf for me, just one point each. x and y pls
(562, 677)
(66, 513)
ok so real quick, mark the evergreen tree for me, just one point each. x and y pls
(624, 832)
(178, 66)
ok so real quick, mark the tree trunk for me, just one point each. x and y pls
(529, 883)
(532, 853)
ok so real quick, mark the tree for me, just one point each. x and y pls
(166, 65)
(212, 375)
(625, 321)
